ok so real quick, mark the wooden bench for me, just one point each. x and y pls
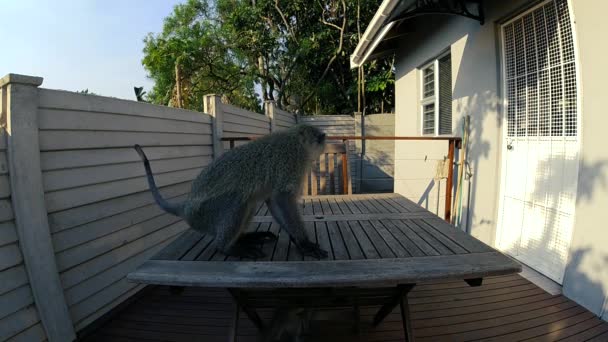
(330, 175)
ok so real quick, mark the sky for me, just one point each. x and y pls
(76, 45)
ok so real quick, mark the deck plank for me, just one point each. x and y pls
(390, 240)
(343, 206)
(335, 208)
(354, 208)
(309, 227)
(180, 246)
(376, 239)
(204, 243)
(432, 240)
(367, 247)
(470, 244)
(307, 206)
(406, 229)
(323, 239)
(570, 331)
(364, 203)
(449, 238)
(205, 314)
(385, 204)
(337, 243)
(325, 207)
(411, 248)
(316, 207)
(597, 330)
(352, 246)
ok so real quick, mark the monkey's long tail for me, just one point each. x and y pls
(175, 209)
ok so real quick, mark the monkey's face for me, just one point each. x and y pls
(313, 139)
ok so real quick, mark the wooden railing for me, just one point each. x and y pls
(453, 144)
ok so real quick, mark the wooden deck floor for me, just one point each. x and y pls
(506, 308)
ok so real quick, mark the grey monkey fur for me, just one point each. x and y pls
(224, 195)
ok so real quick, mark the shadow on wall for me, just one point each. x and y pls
(378, 159)
(425, 201)
(475, 94)
(546, 243)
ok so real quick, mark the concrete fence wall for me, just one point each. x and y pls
(19, 318)
(340, 125)
(76, 214)
(378, 156)
(371, 162)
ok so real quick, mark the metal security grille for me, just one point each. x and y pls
(540, 73)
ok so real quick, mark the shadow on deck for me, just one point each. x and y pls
(506, 308)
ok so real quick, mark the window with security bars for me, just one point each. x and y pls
(436, 96)
(540, 73)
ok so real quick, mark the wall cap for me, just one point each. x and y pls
(20, 79)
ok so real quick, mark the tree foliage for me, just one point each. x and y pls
(294, 52)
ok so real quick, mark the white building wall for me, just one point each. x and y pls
(477, 92)
(586, 279)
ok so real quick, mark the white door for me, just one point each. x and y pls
(541, 138)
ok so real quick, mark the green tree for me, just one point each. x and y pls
(295, 53)
(86, 92)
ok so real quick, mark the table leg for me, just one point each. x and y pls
(405, 319)
(402, 291)
(251, 313)
(356, 315)
(176, 290)
(234, 327)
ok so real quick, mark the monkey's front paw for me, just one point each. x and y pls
(308, 248)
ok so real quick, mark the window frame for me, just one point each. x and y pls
(423, 101)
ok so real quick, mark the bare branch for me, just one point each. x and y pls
(333, 58)
(323, 18)
(289, 28)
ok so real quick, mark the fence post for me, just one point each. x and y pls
(20, 115)
(269, 110)
(213, 107)
(360, 147)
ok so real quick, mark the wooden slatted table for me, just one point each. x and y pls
(380, 246)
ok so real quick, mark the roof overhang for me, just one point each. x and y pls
(387, 23)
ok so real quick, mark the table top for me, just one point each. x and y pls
(372, 240)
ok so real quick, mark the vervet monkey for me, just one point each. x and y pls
(225, 194)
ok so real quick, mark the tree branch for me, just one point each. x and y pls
(333, 58)
(289, 28)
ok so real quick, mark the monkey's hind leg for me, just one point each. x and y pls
(232, 223)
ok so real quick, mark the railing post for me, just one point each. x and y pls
(20, 115)
(213, 107)
(269, 110)
(450, 181)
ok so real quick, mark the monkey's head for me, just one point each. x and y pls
(312, 138)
